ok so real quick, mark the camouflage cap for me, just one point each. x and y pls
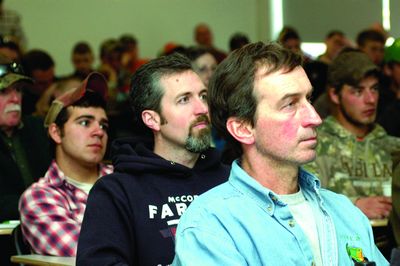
(11, 72)
(392, 53)
(94, 82)
(350, 68)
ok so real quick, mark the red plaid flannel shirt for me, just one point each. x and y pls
(52, 211)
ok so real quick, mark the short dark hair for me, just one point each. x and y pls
(110, 46)
(231, 88)
(237, 41)
(127, 41)
(333, 33)
(36, 60)
(288, 33)
(146, 91)
(369, 35)
(194, 52)
(81, 48)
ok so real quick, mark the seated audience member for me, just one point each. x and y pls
(354, 152)
(203, 62)
(82, 59)
(271, 211)
(238, 40)
(20, 135)
(132, 214)
(130, 55)
(10, 49)
(24, 151)
(52, 208)
(39, 66)
(335, 41)
(372, 43)
(204, 38)
(395, 214)
(390, 103)
(290, 39)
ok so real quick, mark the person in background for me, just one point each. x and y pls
(10, 27)
(82, 59)
(372, 43)
(52, 208)
(157, 174)
(203, 62)
(335, 41)
(290, 39)
(238, 40)
(389, 104)
(130, 57)
(40, 66)
(10, 49)
(24, 147)
(204, 38)
(270, 211)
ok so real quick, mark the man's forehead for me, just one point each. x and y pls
(77, 111)
(187, 80)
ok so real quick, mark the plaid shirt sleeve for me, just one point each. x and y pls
(48, 222)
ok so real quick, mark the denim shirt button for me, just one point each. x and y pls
(269, 208)
(292, 223)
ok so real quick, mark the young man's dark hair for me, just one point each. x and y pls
(333, 33)
(238, 40)
(369, 35)
(81, 48)
(238, 97)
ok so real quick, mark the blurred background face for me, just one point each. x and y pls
(205, 66)
(43, 79)
(203, 36)
(375, 51)
(83, 62)
(335, 44)
(293, 45)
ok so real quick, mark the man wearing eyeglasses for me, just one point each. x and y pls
(24, 151)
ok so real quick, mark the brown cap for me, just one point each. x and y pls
(93, 82)
(349, 68)
(11, 72)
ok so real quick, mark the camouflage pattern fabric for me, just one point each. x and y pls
(352, 167)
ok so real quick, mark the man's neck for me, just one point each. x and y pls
(175, 154)
(280, 177)
(79, 172)
(360, 131)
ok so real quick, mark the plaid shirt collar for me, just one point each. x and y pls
(57, 178)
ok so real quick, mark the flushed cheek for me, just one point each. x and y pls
(289, 130)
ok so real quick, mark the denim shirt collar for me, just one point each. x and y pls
(266, 198)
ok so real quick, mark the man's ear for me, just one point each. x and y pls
(151, 119)
(333, 95)
(241, 130)
(55, 133)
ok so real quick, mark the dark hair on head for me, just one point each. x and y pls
(127, 41)
(231, 88)
(146, 91)
(288, 33)
(237, 41)
(81, 48)
(369, 35)
(10, 44)
(36, 60)
(333, 33)
(195, 52)
(110, 46)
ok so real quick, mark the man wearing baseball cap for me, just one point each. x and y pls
(354, 152)
(52, 209)
(24, 153)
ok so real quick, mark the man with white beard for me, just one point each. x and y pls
(24, 152)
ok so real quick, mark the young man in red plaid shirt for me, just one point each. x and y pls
(52, 209)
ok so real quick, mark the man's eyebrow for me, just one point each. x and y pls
(85, 116)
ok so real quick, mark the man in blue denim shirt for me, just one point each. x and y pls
(270, 211)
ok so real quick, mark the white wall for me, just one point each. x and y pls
(56, 25)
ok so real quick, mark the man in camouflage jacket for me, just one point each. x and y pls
(354, 153)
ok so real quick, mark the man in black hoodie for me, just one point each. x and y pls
(131, 215)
